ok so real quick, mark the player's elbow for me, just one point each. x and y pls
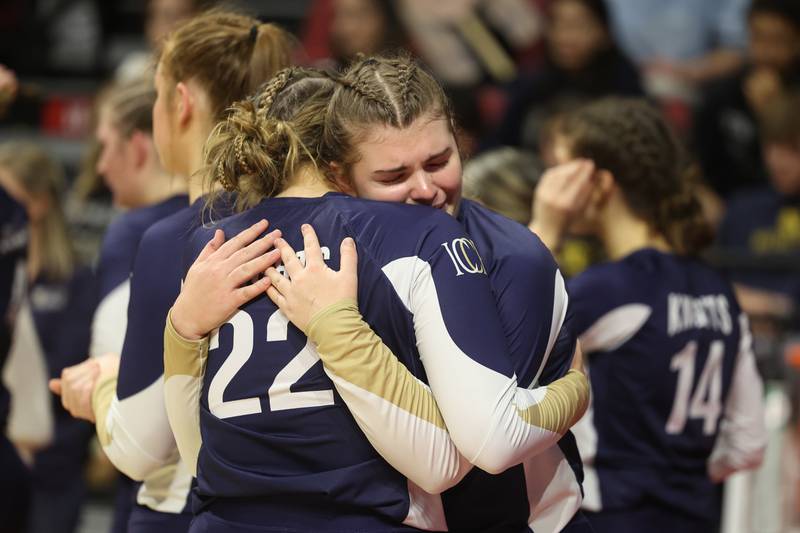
(136, 466)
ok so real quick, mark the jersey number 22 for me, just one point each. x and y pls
(280, 395)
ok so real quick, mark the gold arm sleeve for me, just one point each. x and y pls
(350, 349)
(102, 396)
(183, 356)
(564, 403)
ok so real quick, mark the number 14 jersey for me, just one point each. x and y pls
(676, 397)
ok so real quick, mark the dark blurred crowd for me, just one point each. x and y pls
(726, 74)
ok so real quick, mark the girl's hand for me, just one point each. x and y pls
(311, 288)
(218, 282)
(563, 192)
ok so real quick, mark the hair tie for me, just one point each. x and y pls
(253, 33)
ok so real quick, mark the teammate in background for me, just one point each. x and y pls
(51, 332)
(677, 401)
(192, 96)
(130, 166)
(206, 64)
(15, 489)
(426, 455)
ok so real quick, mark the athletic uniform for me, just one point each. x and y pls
(14, 491)
(293, 458)
(143, 447)
(114, 269)
(677, 399)
(52, 330)
(543, 493)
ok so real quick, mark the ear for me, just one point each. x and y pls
(185, 103)
(140, 144)
(341, 179)
(604, 189)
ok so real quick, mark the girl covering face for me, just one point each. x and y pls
(677, 399)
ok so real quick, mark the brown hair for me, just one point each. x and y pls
(268, 137)
(130, 105)
(504, 180)
(779, 123)
(229, 54)
(307, 116)
(379, 91)
(41, 176)
(630, 139)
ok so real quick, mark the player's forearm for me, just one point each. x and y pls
(395, 410)
(109, 322)
(184, 366)
(136, 445)
(494, 423)
(742, 437)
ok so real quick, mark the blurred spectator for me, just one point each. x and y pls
(466, 41)
(51, 36)
(680, 43)
(582, 62)
(726, 129)
(337, 30)
(765, 222)
(162, 16)
(51, 333)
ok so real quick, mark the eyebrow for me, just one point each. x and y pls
(403, 167)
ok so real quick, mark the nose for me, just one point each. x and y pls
(423, 191)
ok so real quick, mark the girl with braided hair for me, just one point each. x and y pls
(279, 449)
(206, 64)
(394, 108)
(677, 400)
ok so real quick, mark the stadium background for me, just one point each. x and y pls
(508, 65)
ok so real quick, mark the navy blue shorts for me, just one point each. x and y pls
(145, 520)
(15, 489)
(650, 518)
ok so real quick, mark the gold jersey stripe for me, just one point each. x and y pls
(350, 349)
(563, 404)
(183, 356)
(102, 396)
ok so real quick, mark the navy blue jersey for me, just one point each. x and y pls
(155, 284)
(62, 314)
(277, 441)
(663, 337)
(114, 267)
(144, 448)
(532, 305)
(13, 247)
